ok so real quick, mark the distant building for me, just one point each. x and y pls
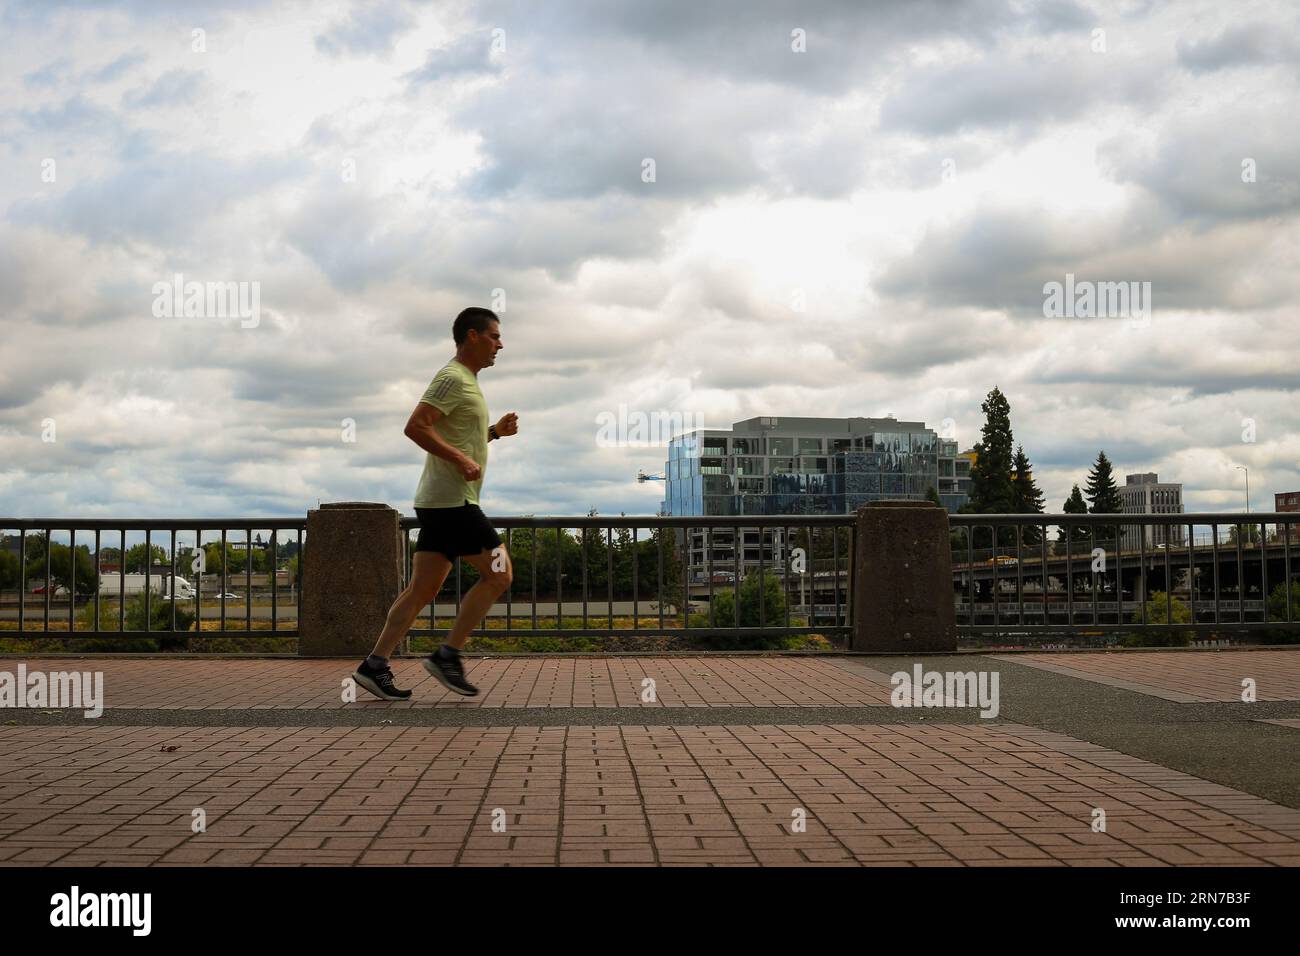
(801, 466)
(775, 466)
(1286, 501)
(1146, 494)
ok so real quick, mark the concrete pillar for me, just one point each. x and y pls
(351, 574)
(902, 583)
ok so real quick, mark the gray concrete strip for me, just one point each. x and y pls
(1222, 742)
(1136, 686)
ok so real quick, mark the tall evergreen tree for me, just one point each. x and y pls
(990, 486)
(990, 475)
(1026, 499)
(1104, 499)
(1075, 505)
(1103, 496)
(932, 495)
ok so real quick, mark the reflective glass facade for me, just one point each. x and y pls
(810, 466)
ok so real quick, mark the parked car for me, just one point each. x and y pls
(225, 597)
(59, 590)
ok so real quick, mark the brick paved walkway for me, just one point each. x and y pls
(879, 787)
(1179, 675)
(235, 684)
(896, 795)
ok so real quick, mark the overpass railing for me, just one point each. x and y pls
(1138, 573)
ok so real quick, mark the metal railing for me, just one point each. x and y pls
(1094, 574)
(565, 601)
(596, 576)
(652, 559)
(85, 606)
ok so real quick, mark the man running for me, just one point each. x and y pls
(451, 424)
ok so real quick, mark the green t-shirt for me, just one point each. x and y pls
(454, 391)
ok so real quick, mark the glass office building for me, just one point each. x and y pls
(797, 466)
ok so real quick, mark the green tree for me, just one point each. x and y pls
(1074, 505)
(932, 495)
(9, 567)
(1277, 612)
(61, 567)
(1103, 499)
(36, 546)
(557, 551)
(160, 617)
(594, 545)
(1158, 613)
(755, 591)
(991, 491)
(135, 557)
(261, 558)
(665, 541)
(1026, 499)
(1249, 534)
(233, 560)
(623, 562)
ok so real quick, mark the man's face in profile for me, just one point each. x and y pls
(484, 346)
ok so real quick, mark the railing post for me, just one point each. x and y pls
(352, 573)
(902, 584)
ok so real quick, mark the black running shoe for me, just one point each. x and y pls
(450, 673)
(379, 683)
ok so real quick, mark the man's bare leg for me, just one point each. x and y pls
(478, 600)
(429, 569)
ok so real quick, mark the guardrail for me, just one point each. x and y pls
(81, 580)
(1036, 575)
(1041, 574)
(567, 590)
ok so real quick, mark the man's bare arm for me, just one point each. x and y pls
(420, 428)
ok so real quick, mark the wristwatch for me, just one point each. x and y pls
(492, 433)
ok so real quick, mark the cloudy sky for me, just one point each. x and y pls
(854, 209)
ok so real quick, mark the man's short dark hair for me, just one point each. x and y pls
(472, 318)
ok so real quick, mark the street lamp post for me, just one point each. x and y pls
(1247, 471)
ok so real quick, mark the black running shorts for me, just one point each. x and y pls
(455, 531)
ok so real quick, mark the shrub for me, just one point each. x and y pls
(1158, 613)
(1277, 612)
(755, 590)
(160, 614)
